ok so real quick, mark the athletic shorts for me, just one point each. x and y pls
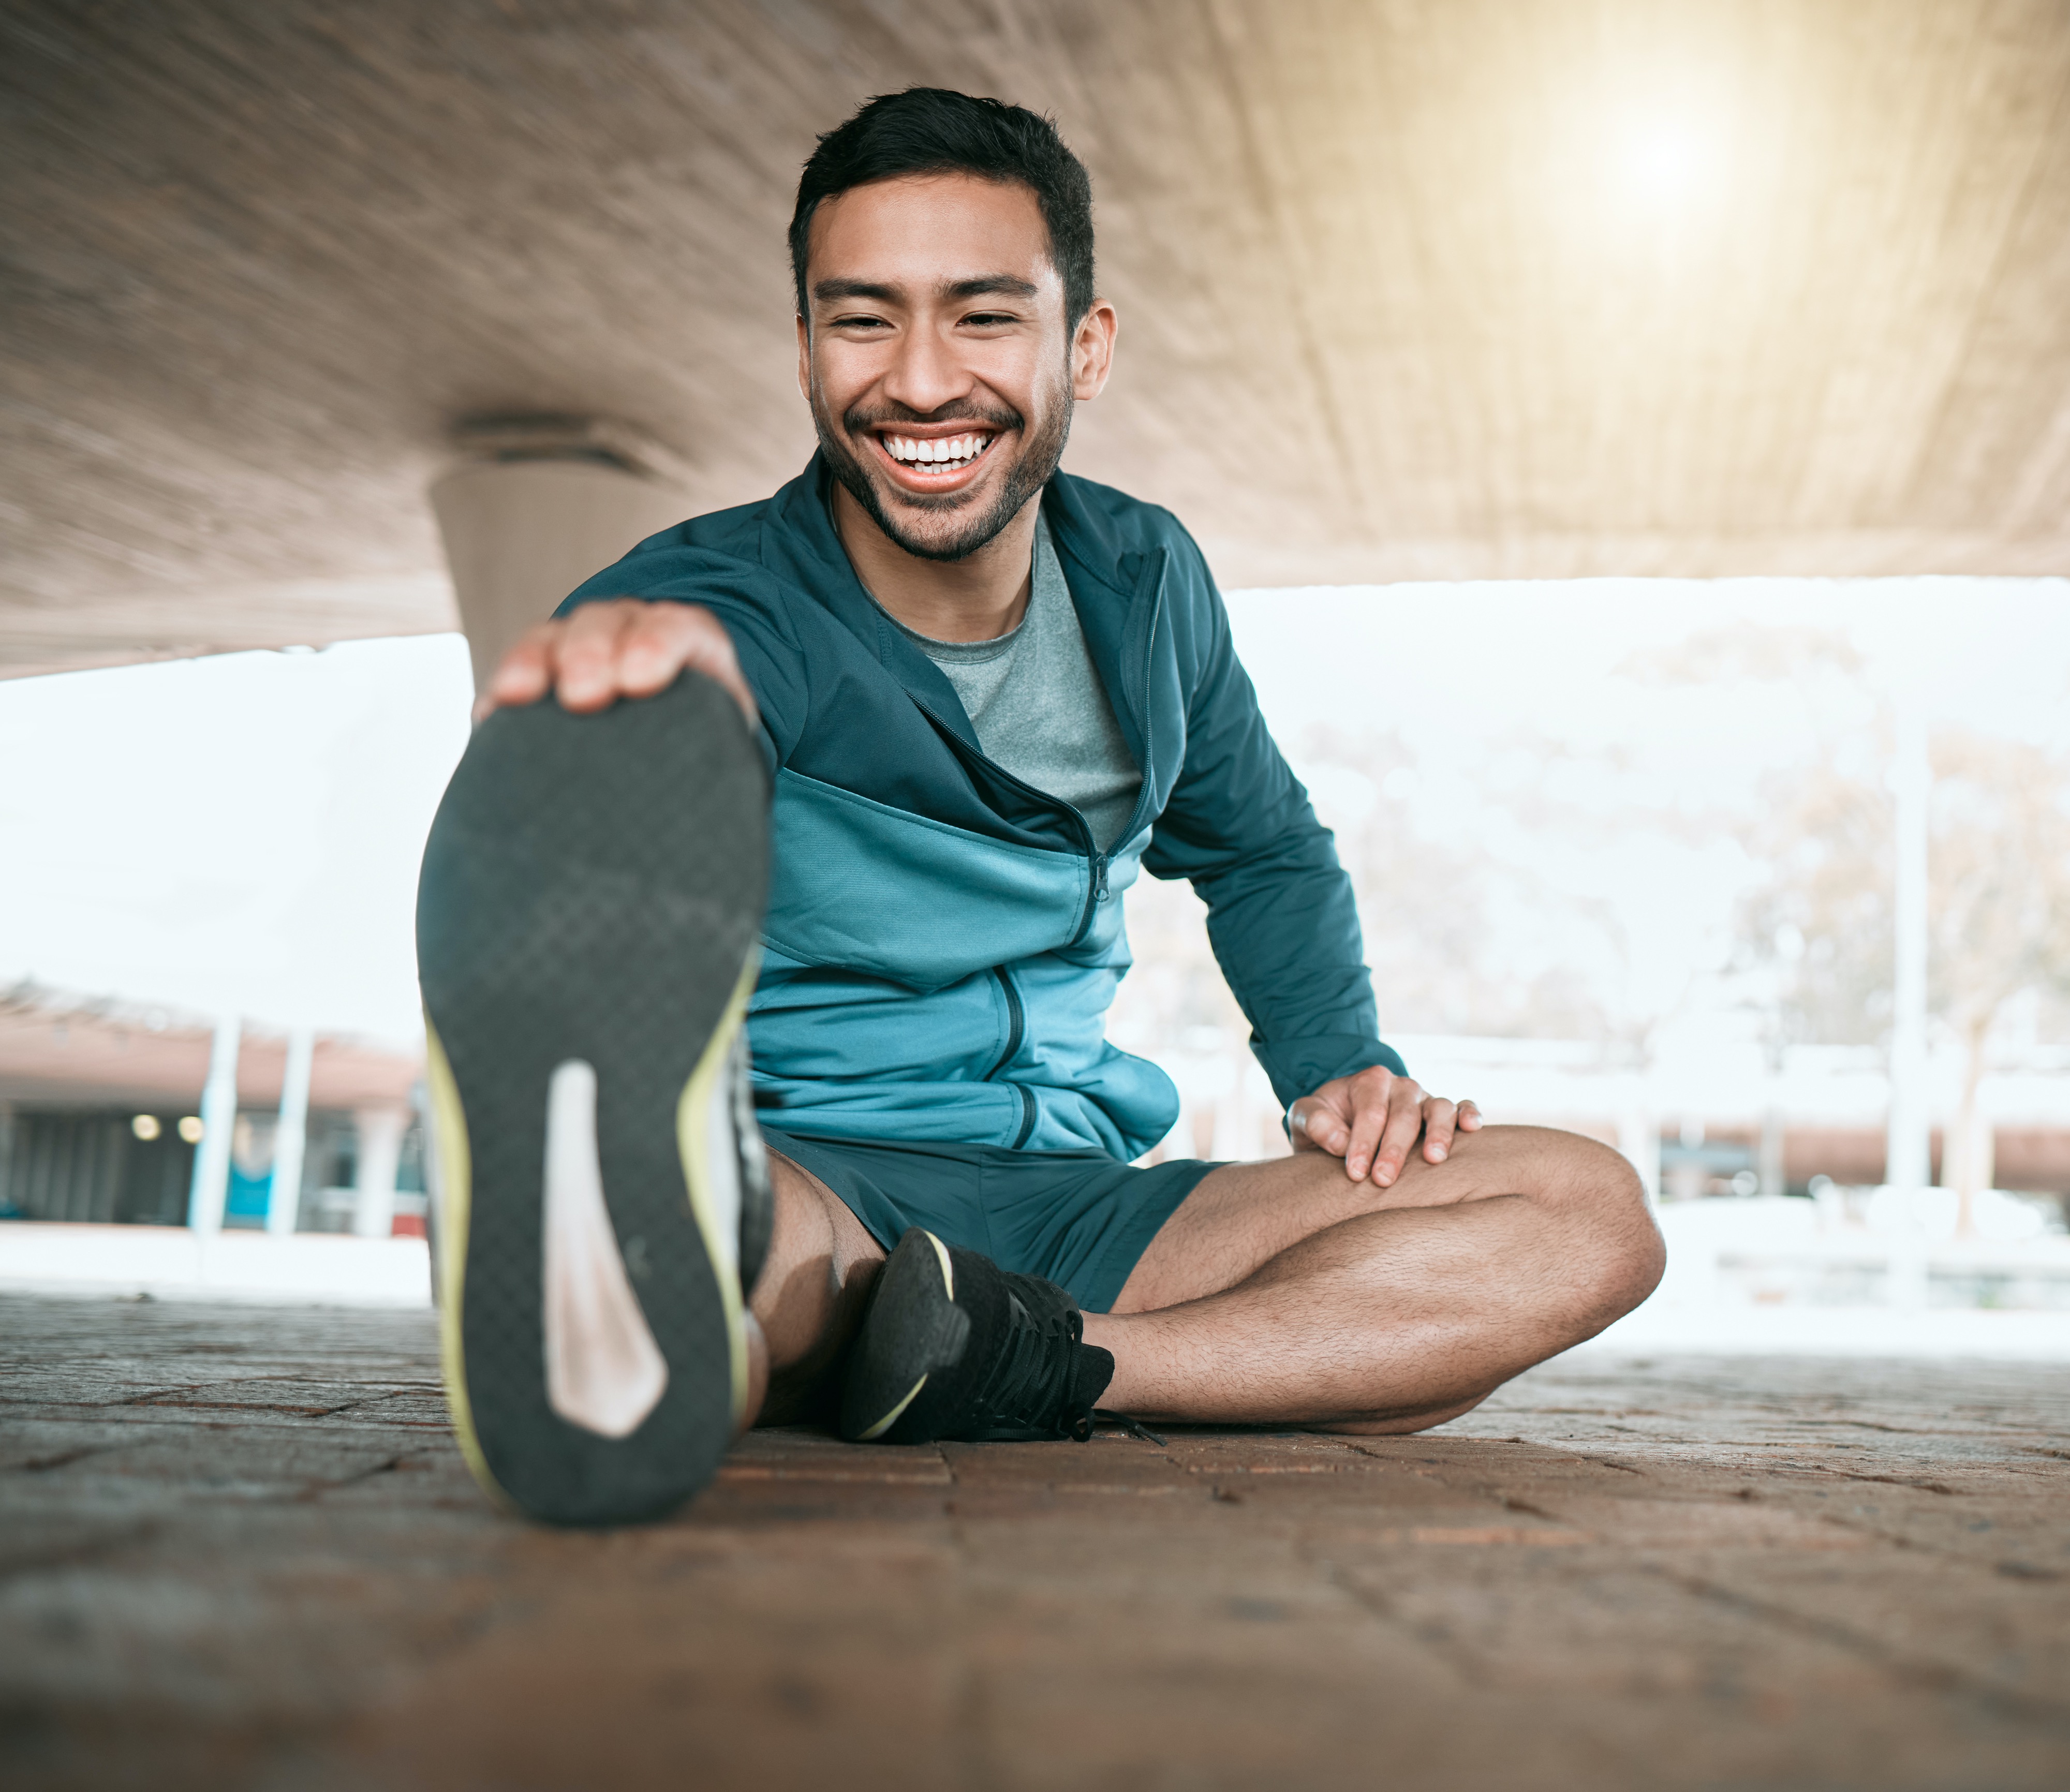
(1077, 1218)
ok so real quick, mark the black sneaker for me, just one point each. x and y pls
(953, 1346)
(586, 925)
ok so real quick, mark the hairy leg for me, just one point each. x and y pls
(1285, 1292)
(809, 1299)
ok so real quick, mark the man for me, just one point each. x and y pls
(982, 693)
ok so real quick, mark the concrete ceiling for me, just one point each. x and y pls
(1410, 289)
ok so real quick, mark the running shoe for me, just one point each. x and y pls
(954, 1347)
(587, 924)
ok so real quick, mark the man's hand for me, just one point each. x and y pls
(623, 648)
(1372, 1121)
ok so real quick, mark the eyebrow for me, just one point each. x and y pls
(977, 286)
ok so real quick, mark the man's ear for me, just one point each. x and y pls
(1092, 349)
(804, 359)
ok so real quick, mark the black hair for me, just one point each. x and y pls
(933, 130)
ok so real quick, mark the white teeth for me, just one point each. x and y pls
(938, 451)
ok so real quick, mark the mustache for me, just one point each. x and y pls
(862, 418)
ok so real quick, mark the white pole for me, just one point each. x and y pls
(210, 1187)
(381, 1131)
(1908, 1153)
(291, 1136)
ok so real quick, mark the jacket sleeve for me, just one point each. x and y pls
(746, 600)
(1281, 915)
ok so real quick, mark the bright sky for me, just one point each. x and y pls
(1562, 692)
(243, 832)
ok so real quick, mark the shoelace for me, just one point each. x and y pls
(1135, 1427)
(1030, 1387)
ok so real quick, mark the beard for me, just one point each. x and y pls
(971, 521)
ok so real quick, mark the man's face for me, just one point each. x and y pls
(935, 358)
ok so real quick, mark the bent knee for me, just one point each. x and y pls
(1619, 1253)
(1631, 1263)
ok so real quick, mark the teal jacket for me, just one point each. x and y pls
(943, 940)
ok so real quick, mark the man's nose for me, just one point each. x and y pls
(927, 372)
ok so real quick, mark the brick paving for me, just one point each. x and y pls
(238, 1549)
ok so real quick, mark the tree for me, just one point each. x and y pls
(1432, 912)
(1820, 930)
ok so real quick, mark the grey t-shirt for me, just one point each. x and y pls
(1038, 707)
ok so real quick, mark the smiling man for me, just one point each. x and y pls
(766, 964)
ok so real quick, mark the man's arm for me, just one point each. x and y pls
(1284, 925)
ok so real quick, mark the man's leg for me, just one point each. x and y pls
(808, 1299)
(1283, 1291)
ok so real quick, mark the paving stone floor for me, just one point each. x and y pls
(238, 1549)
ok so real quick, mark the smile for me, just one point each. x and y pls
(934, 457)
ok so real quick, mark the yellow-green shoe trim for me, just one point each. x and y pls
(455, 1181)
(693, 1111)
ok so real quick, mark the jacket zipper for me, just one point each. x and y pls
(1017, 1021)
(1096, 891)
(1097, 861)
(1016, 1030)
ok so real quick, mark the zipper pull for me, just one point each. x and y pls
(1099, 874)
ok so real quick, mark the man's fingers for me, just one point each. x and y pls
(1469, 1117)
(588, 658)
(625, 647)
(710, 652)
(1405, 1121)
(1439, 1119)
(525, 674)
(1313, 1125)
(1368, 1122)
(653, 650)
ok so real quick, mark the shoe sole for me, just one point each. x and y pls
(586, 925)
(913, 1330)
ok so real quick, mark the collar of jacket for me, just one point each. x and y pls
(1115, 592)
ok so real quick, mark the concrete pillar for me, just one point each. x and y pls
(1907, 1157)
(381, 1131)
(210, 1187)
(539, 505)
(291, 1136)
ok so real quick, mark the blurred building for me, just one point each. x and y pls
(100, 1106)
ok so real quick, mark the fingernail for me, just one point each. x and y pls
(1437, 1154)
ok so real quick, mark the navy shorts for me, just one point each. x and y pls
(1077, 1218)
